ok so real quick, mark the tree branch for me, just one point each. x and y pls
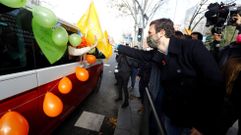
(197, 23)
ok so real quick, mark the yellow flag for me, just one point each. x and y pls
(108, 45)
(82, 23)
(109, 50)
(90, 27)
(93, 27)
(104, 46)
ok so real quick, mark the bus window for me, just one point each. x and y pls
(16, 50)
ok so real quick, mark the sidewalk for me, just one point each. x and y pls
(129, 119)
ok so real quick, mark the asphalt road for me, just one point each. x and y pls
(99, 108)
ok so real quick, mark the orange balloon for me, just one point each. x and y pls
(52, 105)
(65, 85)
(91, 59)
(13, 123)
(82, 74)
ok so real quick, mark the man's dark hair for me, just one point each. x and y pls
(179, 34)
(199, 35)
(165, 24)
(187, 36)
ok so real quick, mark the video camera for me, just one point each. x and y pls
(220, 15)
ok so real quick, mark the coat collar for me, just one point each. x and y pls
(174, 45)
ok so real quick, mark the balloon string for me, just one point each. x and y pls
(53, 87)
(14, 108)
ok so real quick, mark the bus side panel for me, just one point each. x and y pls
(25, 104)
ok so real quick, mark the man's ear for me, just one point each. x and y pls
(161, 33)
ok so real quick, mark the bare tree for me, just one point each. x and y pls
(140, 10)
(198, 14)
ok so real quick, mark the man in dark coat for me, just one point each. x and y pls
(124, 71)
(189, 75)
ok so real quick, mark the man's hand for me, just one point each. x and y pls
(194, 131)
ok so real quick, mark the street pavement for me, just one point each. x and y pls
(129, 119)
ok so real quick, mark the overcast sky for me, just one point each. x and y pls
(72, 10)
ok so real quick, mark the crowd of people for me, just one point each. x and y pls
(195, 91)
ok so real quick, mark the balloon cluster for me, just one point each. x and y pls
(52, 104)
(47, 19)
(55, 39)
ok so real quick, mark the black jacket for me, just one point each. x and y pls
(144, 70)
(191, 80)
(125, 63)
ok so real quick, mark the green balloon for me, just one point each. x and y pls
(44, 17)
(75, 39)
(14, 3)
(43, 35)
(60, 36)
